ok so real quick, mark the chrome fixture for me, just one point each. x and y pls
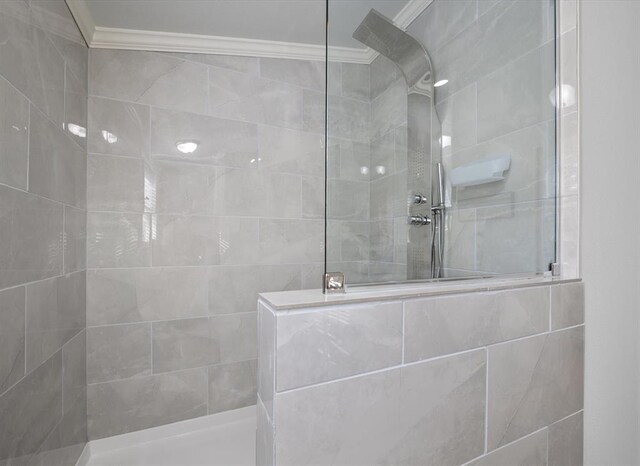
(438, 210)
(419, 220)
(419, 199)
(333, 282)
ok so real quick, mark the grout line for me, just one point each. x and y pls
(486, 404)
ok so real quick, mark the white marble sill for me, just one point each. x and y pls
(285, 300)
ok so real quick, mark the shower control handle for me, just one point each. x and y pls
(419, 199)
(419, 220)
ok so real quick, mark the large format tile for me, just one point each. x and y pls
(12, 336)
(235, 289)
(31, 409)
(118, 240)
(115, 184)
(437, 326)
(266, 357)
(183, 344)
(458, 117)
(57, 166)
(75, 105)
(389, 109)
(566, 441)
(220, 141)
(144, 294)
(384, 418)
(232, 386)
(290, 151)
(118, 128)
(75, 239)
(55, 311)
(503, 107)
(355, 81)
(184, 240)
(442, 21)
(534, 382)
(303, 73)
(139, 403)
(149, 78)
(235, 336)
(291, 241)
(527, 451)
(30, 61)
(567, 305)
(264, 438)
(328, 344)
(14, 137)
(118, 352)
(32, 231)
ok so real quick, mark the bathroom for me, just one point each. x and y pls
(313, 232)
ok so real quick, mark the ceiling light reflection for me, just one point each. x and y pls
(442, 82)
(186, 147)
(109, 137)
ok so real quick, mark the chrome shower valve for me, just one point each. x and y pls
(419, 220)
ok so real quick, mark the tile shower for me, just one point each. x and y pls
(131, 270)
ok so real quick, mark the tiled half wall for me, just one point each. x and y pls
(476, 378)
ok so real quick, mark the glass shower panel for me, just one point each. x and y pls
(441, 139)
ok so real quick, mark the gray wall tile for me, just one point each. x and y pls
(567, 305)
(437, 326)
(14, 137)
(179, 188)
(138, 403)
(534, 382)
(118, 240)
(183, 344)
(220, 141)
(118, 352)
(184, 240)
(356, 81)
(363, 338)
(303, 73)
(75, 105)
(57, 166)
(385, 417)
(146, 294)
(291, 241)
(264, 440)
(235, 336)
(149, 78)
(232, 386)
(566, 441)
(55, 311)
(75, 239)
(29, 61)
(31, 409)
(290, 151)
(118, 128)
(266, 358)
(525, 451)
(115, 184)
(12, 336)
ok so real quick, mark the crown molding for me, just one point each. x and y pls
(156, 41)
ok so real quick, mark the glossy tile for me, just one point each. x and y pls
(133, 404)
(289, 151)
(29, 61)
(145, 294)
(31, 409)
(567, 305)
(118, 128)
(115, 184)
(356, 81)
(118, 240)
(183, 344)
(179, 188)
(12, 335)
(184, 240)
(117, 352)
(75, 106)
(234, 289)
(438, 326)
(362, 339)
(57, 166)
(384, 417)
(389, 109)
(74, 376)
(348, 200)
(150, 78)
(232, 386)
(75, 239)
(442, 21)
(264, 438)
(235, 336)
(382, 73)
(14, 137)
(303, 73)
(534, 382)
(220, 141)
(312, 197)
(459, 251)
(244, 64)
(266, 358)
(459, 119)
(503, 107)
(566, 441)
(55, 312)
(290, 241)
(525, 451)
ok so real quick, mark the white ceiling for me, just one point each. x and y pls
(296, 21)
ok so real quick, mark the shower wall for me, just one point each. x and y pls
(43, 76)
(180, 244)
(499, 59)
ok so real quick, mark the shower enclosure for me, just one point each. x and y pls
(442, 162)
